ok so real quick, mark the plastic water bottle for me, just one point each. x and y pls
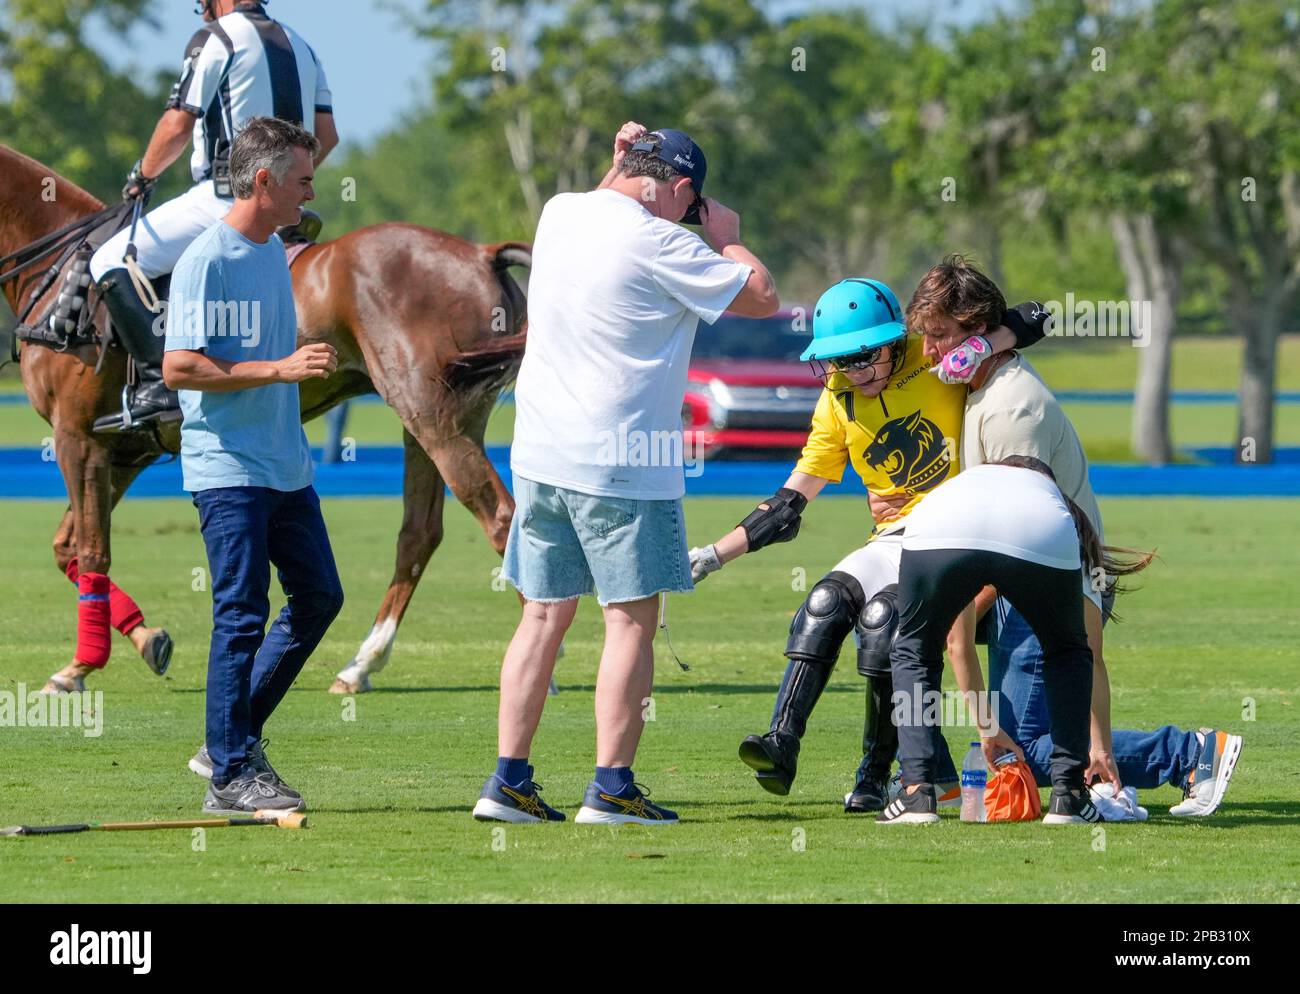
(974, 777)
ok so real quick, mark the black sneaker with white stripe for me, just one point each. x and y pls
(917, 808)
(1071, 807)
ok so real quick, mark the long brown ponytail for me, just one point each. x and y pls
(1114, 561)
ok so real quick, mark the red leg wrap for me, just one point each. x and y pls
(124, 611)
(93, 639)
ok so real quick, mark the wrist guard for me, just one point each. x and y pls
(775, 519)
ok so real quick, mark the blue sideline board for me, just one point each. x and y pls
(377, 472)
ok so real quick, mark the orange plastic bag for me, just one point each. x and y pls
(1012, 794)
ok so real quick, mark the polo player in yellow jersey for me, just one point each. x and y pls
(901, 429)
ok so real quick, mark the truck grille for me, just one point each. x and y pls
(770, 408)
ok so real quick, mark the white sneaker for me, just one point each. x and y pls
(1207, 784)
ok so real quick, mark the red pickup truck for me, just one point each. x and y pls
(748, 395)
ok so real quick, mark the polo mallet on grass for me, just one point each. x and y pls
(283, 819)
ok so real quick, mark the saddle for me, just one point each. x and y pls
(299, 237)
(305, 232)
(69, 321)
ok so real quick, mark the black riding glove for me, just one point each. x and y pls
(138, 185)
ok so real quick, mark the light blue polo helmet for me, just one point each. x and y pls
(856, 315)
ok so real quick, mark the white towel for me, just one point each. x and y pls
(1122, 808)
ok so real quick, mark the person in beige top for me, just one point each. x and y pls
(1010, 411)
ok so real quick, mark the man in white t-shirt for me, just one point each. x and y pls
(1010, 411)
(616, 291)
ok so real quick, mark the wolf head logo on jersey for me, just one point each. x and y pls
(910, 450)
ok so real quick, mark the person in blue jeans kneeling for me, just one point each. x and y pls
(1200, 762)
(232, 353)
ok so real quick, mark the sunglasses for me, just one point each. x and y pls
(859, 361)
(692, 215)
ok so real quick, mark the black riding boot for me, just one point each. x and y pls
(879, 744)
(775, 756)
(150, 401)
(816, 635)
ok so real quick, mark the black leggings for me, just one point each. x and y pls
(933, 587)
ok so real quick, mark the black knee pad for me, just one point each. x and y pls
(876, 626)
(825, 619)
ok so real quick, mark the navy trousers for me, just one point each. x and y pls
(250, 669)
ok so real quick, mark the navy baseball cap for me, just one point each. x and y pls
(687, 158)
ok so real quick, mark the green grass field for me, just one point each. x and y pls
(1212, 633)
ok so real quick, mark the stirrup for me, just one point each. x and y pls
(112, 423)
(116, 423)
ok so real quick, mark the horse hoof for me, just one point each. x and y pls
(341, 686)
(157, 652)
(58, 685)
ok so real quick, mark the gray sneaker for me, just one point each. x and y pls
(258, 761)
(251, 791)
(202, 764)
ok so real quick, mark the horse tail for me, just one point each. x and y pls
(478, 373)
(493, 364)
(507, 254)
(501, 256)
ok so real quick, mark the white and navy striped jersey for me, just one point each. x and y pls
(241, 66)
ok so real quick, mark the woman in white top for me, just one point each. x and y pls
(1008, 525)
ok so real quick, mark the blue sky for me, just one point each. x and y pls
(378, 69)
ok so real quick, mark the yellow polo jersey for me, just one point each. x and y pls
(906, 440)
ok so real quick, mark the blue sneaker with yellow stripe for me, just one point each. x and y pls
(520, 804)
(630, 806)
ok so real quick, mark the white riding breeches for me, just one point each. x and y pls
(875, 565)
(164, 233)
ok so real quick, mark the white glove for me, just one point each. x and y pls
(703, 562)
(959, 365)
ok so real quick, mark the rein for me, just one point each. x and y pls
(65, 242)
(33, 253)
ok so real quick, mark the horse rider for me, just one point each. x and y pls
(241, 64)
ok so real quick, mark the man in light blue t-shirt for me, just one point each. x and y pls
(231, 352)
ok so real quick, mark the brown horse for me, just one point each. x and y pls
(435, 324)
